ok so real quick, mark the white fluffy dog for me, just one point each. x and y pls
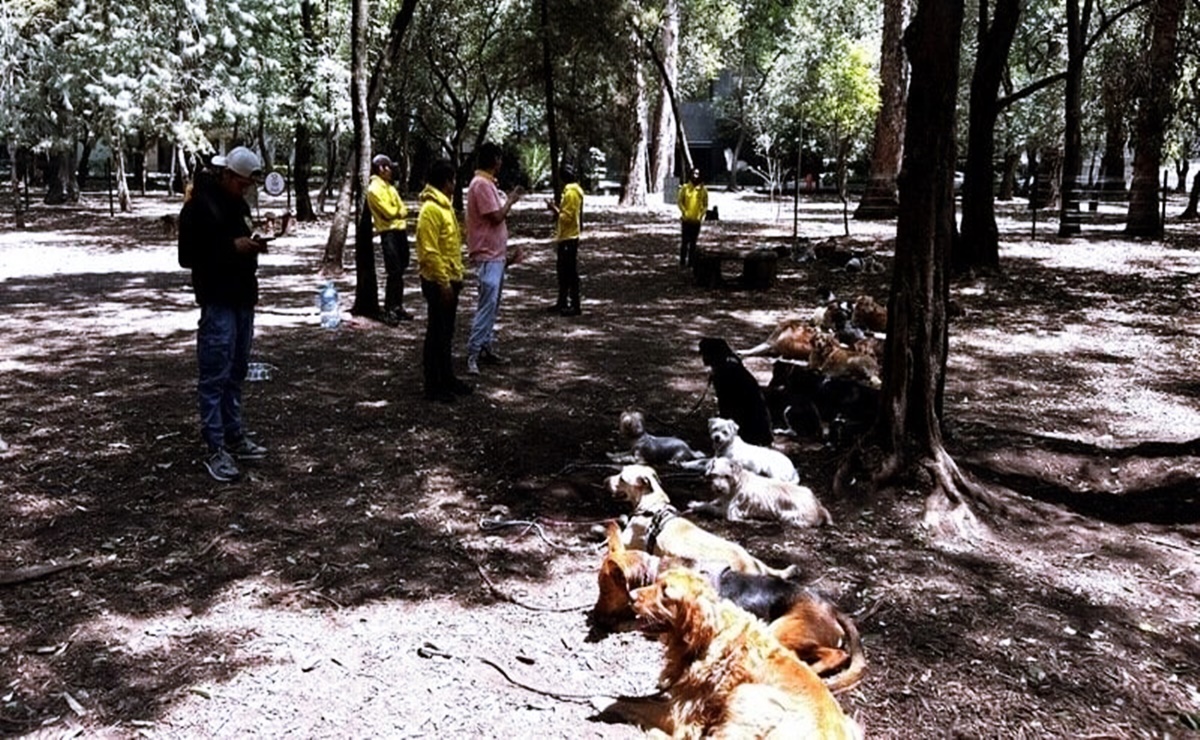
(744, 496)
(762, 460)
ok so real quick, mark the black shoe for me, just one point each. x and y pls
(440, 396)
(574, 311)
(391, 318)
(460, 388)
(556, 308)
(488, 357)
(404, 315)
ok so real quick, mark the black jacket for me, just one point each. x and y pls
(208, 225)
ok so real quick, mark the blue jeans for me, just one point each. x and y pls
(222, 353)
(491, 280)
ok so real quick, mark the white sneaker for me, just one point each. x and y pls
(472, 365)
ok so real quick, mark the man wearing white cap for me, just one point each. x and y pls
(216, 241)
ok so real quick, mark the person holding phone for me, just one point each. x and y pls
(217, 241)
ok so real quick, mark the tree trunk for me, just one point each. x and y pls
(634, 190)
(302, 159)
(914, 368)
(551, 120)
(1193, 200)
(1008, 179)
(1182, 165)
(366, 287)
(1072, 160)
(1153, 118)
(1112, 161)
(301, 172)
(118, 153)
(879, 201)
(663, 162)
(19, 202)
(979, 247)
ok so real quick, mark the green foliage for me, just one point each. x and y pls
(535, 162)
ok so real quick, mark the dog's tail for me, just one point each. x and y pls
(854, 672)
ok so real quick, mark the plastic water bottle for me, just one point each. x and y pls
(327, 299)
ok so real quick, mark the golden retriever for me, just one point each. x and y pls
(744, 496)
(869, 315)
(656, 526)
(726, 675)
(804, 622)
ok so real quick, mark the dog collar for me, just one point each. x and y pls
(657, 522)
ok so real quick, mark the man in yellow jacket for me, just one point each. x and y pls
(569, 220)
(693, 204)
(439, 261)
(388, 216)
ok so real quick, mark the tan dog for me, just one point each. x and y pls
(792, 339)
(726, 675)
(831, 358)
(656, 526)
(869, 315)
(804, 622)
(743, 496)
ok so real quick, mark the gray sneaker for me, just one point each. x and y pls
(472, 365)
(221, 467)
(244, 449)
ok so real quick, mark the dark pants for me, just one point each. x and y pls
(439, 337)
(689, 235)
(567, 268)
(223, 353)
(395, 262)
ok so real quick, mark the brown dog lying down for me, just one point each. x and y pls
(648, 448)
(804, 622)
(726, 675)
(743, 496)
(792, 339)
(656, 526)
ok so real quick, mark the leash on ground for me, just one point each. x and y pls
(500, 594)
(492, 525)
(429, 650)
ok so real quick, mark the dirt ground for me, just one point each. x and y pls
(401, 569)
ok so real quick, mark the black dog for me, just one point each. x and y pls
(835, 410)
(739, 397)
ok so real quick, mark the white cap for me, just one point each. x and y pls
(240, 160)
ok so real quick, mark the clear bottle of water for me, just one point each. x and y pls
(327, 299)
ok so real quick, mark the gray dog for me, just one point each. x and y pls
(649, 449)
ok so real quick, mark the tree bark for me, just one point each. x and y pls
(1193, 200)
(634, 190)
(551, 119)
(663, 161)
(302, 161)
(118, 153)
(879, 200)
(1112, 161)
(914, 368)
(1078, 21)
(1153, 118)
(979, 247)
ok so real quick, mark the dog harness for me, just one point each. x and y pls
(657, 522)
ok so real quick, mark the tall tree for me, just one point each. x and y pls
(879, 200)
(1153, 117)
(980, 243)
(662, 163)
(914, 368)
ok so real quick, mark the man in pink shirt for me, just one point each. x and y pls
(487, 248)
